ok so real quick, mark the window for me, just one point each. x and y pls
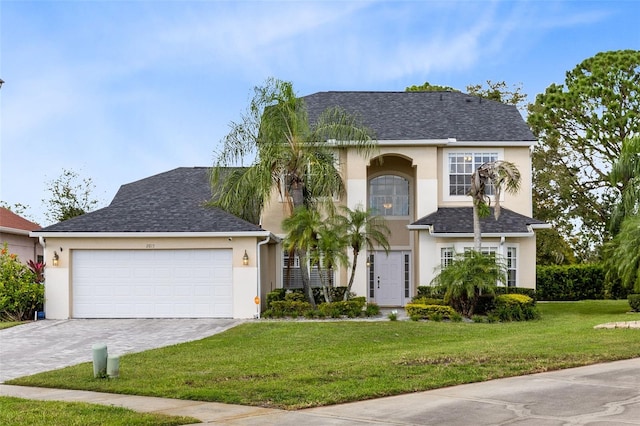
(372, 277)
(461, 167)
(389, 195)
(292, 275)
(446, 256)
(407, 276)
(512, 266)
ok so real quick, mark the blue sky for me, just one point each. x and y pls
(121, 90)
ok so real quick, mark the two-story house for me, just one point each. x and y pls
(157, 251)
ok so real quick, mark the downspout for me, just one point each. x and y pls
(259, 283)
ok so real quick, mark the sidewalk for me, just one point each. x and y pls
(598, 394)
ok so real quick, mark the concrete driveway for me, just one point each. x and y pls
(50, 344)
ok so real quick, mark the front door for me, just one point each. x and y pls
(388, 278)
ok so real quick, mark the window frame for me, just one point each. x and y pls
(501, 251)
(446, 175)
(409, 199)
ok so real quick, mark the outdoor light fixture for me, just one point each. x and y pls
(245, 259)
(56, 258)
(387, 205)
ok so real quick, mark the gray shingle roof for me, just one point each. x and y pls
(452, 220)
(167, 202)
(427, 115)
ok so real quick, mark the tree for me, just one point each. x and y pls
(498, 91)
(362, 229)
(622, 255)
(290, 155)
(581, 126)
(427, 87)
(469, 275)
(625, 174)
(504, 176)
(70, 196)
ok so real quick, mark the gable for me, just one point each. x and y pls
(11, 222)
(427, 115)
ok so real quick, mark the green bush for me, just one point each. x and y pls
(428, 311)
(429, 292)
(372, 310)
(634, 302)
(422, 300)
(288, 308)
(20, 295)
(515, 307)
(570, 282)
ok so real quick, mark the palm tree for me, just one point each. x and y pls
(290, 155)
(469, 275)
(363, 229)
(503, 175)
(625, 175)
(330, 253)
(622, 255)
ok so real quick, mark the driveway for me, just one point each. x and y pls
(51, 344)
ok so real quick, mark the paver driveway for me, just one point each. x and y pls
(50, 344)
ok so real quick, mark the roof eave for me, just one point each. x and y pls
(429, 228)
(237, 234)
(15, 231)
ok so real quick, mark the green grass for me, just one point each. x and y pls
(294, 365)
(7, 324)
(21, 412)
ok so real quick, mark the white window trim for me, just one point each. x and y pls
(500, 250)
(445, 169)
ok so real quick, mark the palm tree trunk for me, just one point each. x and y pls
(351, 278)
(304, 272)
(477, 234)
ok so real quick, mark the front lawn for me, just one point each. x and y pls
(19, 412)
(289, 364)
(7, 324)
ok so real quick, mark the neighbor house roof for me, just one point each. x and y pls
(14, 224)
(427, 115)
(459, 220)
(168, 202)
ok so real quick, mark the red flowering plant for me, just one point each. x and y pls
(21, 295)
(38, 269)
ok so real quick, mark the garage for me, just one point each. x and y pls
(190, 283)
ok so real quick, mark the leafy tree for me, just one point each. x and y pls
(427, 87)
(362, 229)
(504, 176)
(469, 275)
(70, 196)
(500, 92)
(581, 126)
(552, 248)
(17, 208)
(288, 154)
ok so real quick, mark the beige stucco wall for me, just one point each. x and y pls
(59, 279)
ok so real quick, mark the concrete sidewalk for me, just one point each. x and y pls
(601, 394)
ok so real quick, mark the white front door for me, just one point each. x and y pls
(388, 278)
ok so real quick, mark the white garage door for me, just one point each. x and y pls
(152, 284)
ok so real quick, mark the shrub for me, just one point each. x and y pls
(515, 307)
(422, 300)
(634, 302)
(20, 295)
(289, 308)
(427, 311)
(429, 292)
(372, 310)
(570, 282)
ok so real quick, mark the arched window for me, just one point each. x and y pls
(389, 195)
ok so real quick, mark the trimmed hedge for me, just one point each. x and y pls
(515, 307)
(433, 312)
(294, 306)
(336, 293)
(571, 282)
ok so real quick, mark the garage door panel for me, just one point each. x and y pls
(152, 283)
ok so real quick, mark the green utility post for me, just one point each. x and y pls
(99, 360)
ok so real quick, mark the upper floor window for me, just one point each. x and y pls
(461, 167)
(389, 195)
